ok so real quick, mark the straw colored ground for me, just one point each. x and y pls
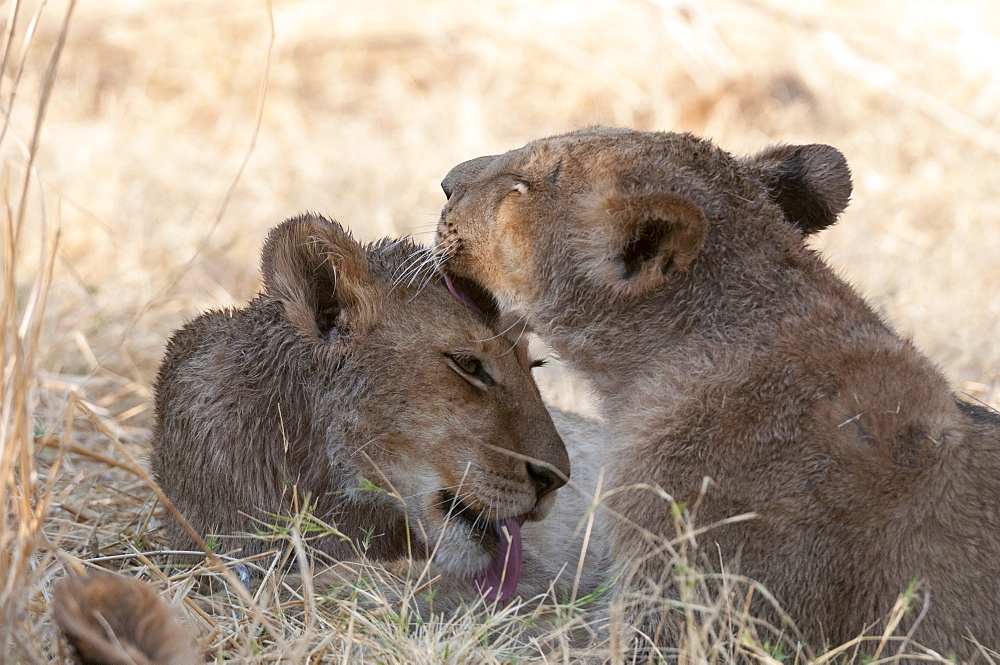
(148, 146)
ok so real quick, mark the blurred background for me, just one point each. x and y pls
(178, 132)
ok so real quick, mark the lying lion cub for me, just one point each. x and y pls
(676, 277)
(400, 415)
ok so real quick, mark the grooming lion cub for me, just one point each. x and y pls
(347, 367)
(677, 279)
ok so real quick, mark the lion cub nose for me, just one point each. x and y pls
(546, 480)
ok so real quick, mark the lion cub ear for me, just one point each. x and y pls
(650, 236)
(320, 274)
(810, 183)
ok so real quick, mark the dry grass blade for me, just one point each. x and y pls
(25, 507)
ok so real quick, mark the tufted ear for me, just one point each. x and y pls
(810, 183)
(320, 274)
(649, 237)
(109, 618)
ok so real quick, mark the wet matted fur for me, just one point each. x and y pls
(358, 386)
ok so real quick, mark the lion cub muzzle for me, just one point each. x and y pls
(546, 480)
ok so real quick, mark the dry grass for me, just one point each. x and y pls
(140, 175)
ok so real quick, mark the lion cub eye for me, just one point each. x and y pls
(470, 368)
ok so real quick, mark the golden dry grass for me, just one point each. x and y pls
(140, 176)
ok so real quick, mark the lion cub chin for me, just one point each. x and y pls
(678, 279)
(355, 387)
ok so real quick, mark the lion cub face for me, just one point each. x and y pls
(356, 365)
(597, 219)
(448, 419)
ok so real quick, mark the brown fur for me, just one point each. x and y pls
(346, 368)
(677, 278)
(110, 620)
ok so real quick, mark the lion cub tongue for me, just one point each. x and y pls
(494, 582)
(460, 294)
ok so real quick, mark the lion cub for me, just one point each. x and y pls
(676, 277)
(400, 416)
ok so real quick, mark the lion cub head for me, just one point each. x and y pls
(355, 369)
(581, 222)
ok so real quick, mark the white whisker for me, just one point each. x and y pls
(416, 272)
(395, 243)
(431, 491)
(366, 444)
(415, 264)
(443, 251)
(508, 329)
(519, 336)
(413, 259)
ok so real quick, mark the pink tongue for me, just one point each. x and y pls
(464, 299)
(499, 580)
